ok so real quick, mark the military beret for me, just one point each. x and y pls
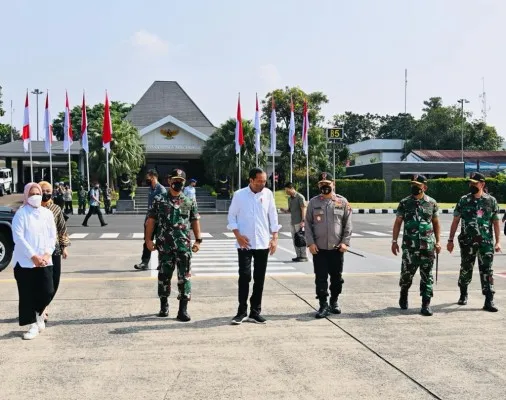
(476, 177)
(419, 179)
(177, 173)
(325, 176)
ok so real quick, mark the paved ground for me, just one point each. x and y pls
(103, 340)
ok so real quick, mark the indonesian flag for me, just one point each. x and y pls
(273, 127)
(305, 128)
(257, 129)
(239, 133)
(48, 127)
(291, 128)
(107, 127)
(67, 126)
(84, 127)
(26, 125)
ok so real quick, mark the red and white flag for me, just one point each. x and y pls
(291, 128)
(84, 127)
(273, 127)
(305, 128)
(107, 126)
(239, 133)
(258, 147)
(26, 125)
(48, 127)
(67, 126)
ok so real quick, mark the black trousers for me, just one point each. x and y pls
(107, 206)
(94, 210)
(146, 254)
(35, 289)
(56, 274)
(328, 263)
(260, 266)
(68, 207)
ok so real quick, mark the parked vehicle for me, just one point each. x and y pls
(5, 181)
(6, 241)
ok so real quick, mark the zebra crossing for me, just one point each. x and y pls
(215, 236)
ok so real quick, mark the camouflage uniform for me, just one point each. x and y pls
(418, 241)
(476, 238)
(173, 217)
(81, 199)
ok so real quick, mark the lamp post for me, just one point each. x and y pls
(37, 92)
(462, 101)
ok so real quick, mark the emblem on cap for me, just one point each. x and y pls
(179, 172)
(324, 176)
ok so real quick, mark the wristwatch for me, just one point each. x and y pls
(198, 240)
(394, 241)
(450, 240)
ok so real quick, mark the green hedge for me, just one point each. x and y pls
(448, 190)
(362, 190)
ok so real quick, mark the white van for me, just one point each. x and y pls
(5, 181)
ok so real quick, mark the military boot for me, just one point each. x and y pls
(426, 310)
(463, 296)
(182, 314)
(164, 307)
(403, 299)
(334, 305)
(489, 303)
(323, 311)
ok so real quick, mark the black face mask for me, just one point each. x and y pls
(148, 182)
(46, 197)
(176, 186)
(474, 189)
(415, 190)
(325, 189)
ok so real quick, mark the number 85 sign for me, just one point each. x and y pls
(335, 134)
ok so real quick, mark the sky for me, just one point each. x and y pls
(355, 52)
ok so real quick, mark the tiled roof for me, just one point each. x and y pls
(165, 98)
(38, 149)
(455, 155)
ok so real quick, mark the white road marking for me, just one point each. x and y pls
(229, 234)
(223, 269)
(376, 233)
(356, 235)
(288, 234)
(138, 235)
(234, 274)
(78, 235)
(109, 236)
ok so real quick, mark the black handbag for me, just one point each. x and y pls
(300, 238)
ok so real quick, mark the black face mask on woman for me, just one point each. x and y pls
(177, 186)
(46, 197)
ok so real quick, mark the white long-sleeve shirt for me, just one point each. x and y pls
(34, 234)
(254, 215)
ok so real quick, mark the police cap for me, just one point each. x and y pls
(325, 176)
(476, 177)
(177, 173)
(419, 180)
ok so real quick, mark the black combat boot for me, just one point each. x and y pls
(334, 305)
(403, 299)
(463, 296)
(489, 303)
(323, 311)
(164, 307)
(182, 314)
(426, 310)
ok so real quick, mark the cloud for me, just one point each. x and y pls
(270, 74)
(150, 43)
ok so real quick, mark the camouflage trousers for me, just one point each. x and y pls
(485, 254)
(168, 262)
(411, 261)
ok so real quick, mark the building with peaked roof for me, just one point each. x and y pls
(173, 129)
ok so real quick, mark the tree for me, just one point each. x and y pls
(318, 154)
(358, 127)
(2, 112)
(400, 126)
(219, 151)
(127, 154)
(118, 110)
(5, 133)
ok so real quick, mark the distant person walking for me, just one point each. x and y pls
(94, 198)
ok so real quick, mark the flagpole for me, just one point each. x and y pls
(88, 170)
(307, 174)
(273, 173)
(51, 163)
(107, 165)
(291, 167)
(257, 160)
(239, 183)
(31, 160)
(70, 171)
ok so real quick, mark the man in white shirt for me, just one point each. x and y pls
(253, 217)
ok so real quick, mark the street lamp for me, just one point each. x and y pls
(37, 92)
(462, 101)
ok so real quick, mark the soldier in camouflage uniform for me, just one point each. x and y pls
(478, 211)
(170, 218)
(420, 241)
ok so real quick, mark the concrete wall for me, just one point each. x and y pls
(394, 170)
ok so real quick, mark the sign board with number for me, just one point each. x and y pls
(335, 134)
